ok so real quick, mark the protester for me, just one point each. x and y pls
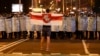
(46, 32)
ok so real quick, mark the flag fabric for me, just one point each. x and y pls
(36, 18)
(46, 19)
(40, 19)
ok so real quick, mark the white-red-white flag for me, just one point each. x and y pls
(46, 19)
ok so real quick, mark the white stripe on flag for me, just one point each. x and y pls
(36, 22)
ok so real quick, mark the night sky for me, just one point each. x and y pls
(96, 7)
(5, 5)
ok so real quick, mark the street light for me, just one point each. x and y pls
(67, 8)
(39, 1)
(74, 8)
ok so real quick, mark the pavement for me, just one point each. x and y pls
(4, 42)
(64, 47)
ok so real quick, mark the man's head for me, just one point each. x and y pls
(47, 10)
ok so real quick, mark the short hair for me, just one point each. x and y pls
(47, 10)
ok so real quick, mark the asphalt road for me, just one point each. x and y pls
(93, 46)
(57, 46)
(6, 41)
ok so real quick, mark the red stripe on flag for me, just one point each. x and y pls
(57, 18)
(41, 17)
(36, 17)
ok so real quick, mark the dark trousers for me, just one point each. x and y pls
(31, 36)
(38, 34)
(80, 35)
(53, 35)
(91, 35)
(69, 34)
(10, 35)
(99, 35)
(64, 35)
(24, 34)
(4, 35)
(16, 35)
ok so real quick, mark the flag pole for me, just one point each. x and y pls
(79, 4)
(32, 4)
(63, 6)
(19, 6)
(71, 4)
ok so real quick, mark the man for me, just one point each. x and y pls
(45, 21)
(46, 31)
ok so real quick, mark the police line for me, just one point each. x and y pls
(69, 24)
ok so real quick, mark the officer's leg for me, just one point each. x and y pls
(88, 36)
(38, 34)
(2, 33)
(14, 35)
(24, 34)
(10, 35)
(84, 34)
(91, 35)
(5, 35)
(99, 36)
(31, 34)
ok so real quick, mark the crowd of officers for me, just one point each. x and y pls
(82, 26)
(14, 26)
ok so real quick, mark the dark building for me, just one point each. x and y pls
(6, 5)
(26, 5)
(96, 7)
